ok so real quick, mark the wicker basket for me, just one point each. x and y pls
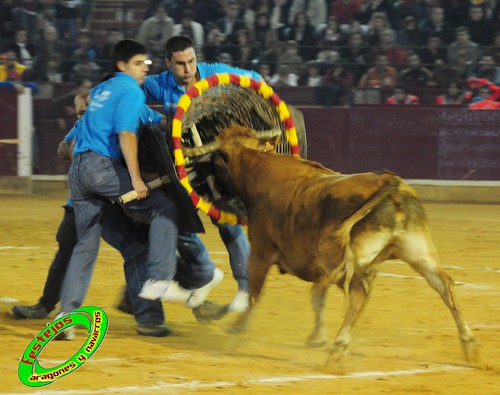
(207, 115)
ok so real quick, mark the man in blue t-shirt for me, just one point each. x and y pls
(168, 87)
(106, 136)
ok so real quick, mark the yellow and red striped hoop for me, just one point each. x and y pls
(185, 101)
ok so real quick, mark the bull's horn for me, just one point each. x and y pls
(268, 134)
(203, 150)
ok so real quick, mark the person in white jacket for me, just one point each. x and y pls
(191, 28)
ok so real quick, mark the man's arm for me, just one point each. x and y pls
(128, 145)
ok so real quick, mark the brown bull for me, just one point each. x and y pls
(326, 227)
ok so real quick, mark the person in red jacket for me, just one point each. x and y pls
(454, 95)
(400, 95)
(483, 101)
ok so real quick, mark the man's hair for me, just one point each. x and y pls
(177, 44)
(125, 50)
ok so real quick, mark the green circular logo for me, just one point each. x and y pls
(32, 374)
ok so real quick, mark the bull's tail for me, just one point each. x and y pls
(344, 233)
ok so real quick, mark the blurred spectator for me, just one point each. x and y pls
(83, 46)
(279, 16)
(86, 10)
(476, 83)
(204, 11)
(312, 75)
(377, 24)
(226, 58)
(410, 36)
(406, 8)
(436, 24)
(66, 13)
(62, 108)
(330, 36)
(105, 52)
(171, 7)
(246, 53)
(345, 10)
(415, 75)
(463, 52)
(265, 71)
(291, 58)
(480, 29)
(355, 55)
(487, 69)
(336, 85)
(25, 51)
(190, 28)
(304, 34)
(400, 96)
(482, 101)
(284, 77)
(231, 23)
(494, 49)
(396, 55)
(12, 73)
(354, 26)
(214, 44)
(47, 47)
(315, 10)
(443, 73)
(85, 68)
(266, 36)
(7, 24)
(456, 11)
(434, 50)
(380, 76)
(372, 7)
(52, 70)
(156, 30)
(454, 95)
(256, 7)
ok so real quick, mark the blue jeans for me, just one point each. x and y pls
(239, 250)
(191, 249)
(94, 179)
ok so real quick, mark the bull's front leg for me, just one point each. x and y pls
(318, 338)
(258, 267)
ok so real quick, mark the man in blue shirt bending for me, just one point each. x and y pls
(168, 87)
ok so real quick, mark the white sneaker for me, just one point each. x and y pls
(199, 295)
(153, 289)
(240, 302)
(67, 334)
(175, 293)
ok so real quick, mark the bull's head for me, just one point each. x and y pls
(218, 152)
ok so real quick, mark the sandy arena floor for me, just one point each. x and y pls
(405, 343)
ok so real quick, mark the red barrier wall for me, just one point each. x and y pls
(417, 142)
(8, 132)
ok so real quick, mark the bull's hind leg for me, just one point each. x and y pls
(360, 289)
(318, 292)
(421, 254)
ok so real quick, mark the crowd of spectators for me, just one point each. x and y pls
(332, 45)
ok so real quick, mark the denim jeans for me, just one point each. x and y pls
(239, 250)
(93, 180)
(66, 237)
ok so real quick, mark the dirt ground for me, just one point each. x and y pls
(405, 342)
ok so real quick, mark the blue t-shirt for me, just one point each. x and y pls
(163, 87)
(115, 106)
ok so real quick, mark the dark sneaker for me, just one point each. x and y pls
(210, 311)
(154, 330)
(124, 304)
(36, 311)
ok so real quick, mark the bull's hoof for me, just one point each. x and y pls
(336, 354)
(316, 342)
(210, 311)
(472, 351)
